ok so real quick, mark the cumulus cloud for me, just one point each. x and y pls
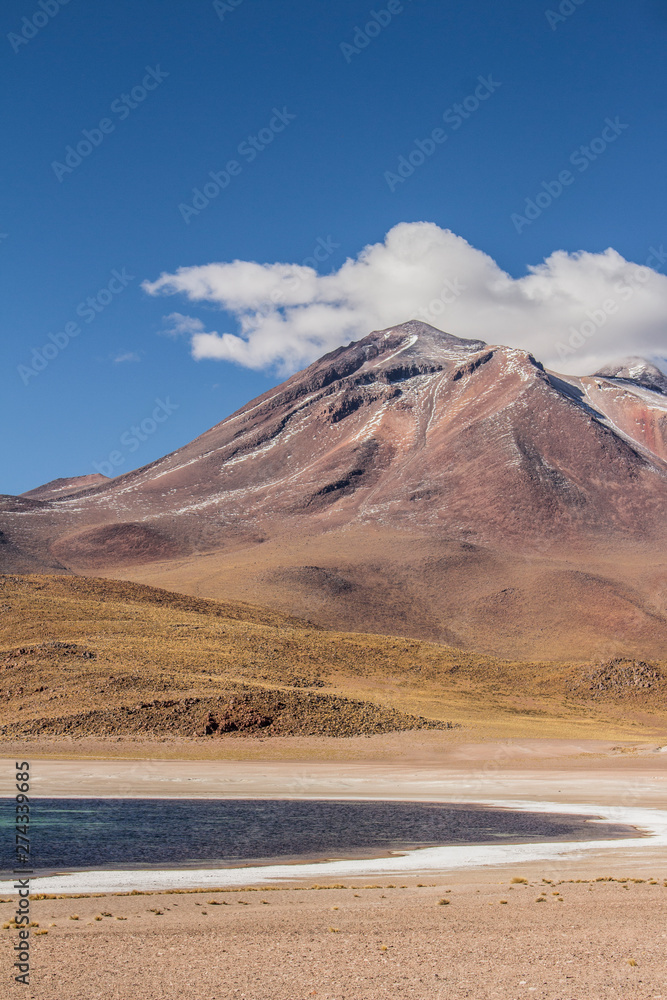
(573, 311)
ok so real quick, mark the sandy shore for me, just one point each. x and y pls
(550, 938)
(429, 766)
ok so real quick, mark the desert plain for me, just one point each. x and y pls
(589, 924)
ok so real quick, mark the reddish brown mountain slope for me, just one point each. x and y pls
(58, 488)
(409, 482)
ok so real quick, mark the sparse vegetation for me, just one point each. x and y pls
(107, 678)
(82, 656)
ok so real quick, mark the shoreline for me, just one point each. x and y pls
(618, 832)
(426, 862)
(416, 769)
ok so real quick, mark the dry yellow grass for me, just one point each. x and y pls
(71, 645)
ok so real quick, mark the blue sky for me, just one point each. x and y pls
(181, 87)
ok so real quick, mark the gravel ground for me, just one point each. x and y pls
(583, 940)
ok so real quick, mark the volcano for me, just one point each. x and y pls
(410, 483)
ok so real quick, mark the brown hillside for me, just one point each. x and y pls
(104, 658)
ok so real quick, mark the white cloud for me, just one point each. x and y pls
(178, 324)
(573, 311)
(129, 356)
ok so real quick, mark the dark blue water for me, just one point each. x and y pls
(71, 834)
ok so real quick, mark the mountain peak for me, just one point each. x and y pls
(391, 355)
(410, 480)
(637, 370)
(65, 487)
(409, 349)
(424, 339)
